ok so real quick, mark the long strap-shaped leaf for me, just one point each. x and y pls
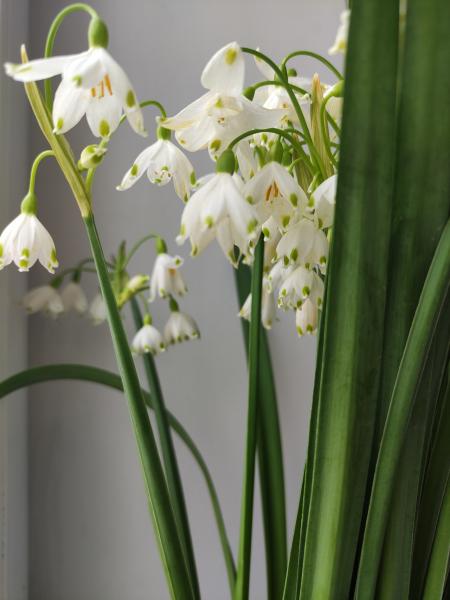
(270, 457)
(169, 456)
(171, 550)
(356, 289)
(86, 373)
(423, 156)
(414, 357)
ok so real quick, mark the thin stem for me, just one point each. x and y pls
(295, 103)
(37, 161)
(245, 537)
(325, 133)
(268, 82)
(51, 36)
(169, 456)
(145, 103)
(156, 488)
(137, 245)
(318, 57)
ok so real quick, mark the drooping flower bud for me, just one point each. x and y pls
(91, 157)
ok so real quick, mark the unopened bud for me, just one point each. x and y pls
(91, 157)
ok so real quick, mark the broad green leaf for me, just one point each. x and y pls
(356, 290)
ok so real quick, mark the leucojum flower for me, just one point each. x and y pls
(25, 240)
(180, 326)
(92, 84)
(44, 298)
(148, 339)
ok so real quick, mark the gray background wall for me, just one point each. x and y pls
(90, 534)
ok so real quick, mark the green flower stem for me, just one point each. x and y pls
(245, 537)
(281, 132)
(296, 88)
(301, 117)
(137, 245)
(325, 133)
(75, 372)
(37, 161)
(51, 36)
(318, 57)
(172, 471)
(416, 350)
(270, 455)
(156, 488)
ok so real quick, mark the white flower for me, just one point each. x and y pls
(225, 71)
(301, 283)
(276, 275)
(324, 200)
(219, 209)
(306, 318)
(268, 308)
(340, 43)
(215, 119)
(180, 327)
(74, 298)
(162, 161)
(97, 310)
(166, 279)
(43, 298)
(297, 243)
(93, 84)
(148, 340)
(24, 241)
(275, 193)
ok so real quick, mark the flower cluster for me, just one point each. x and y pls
(267, 181)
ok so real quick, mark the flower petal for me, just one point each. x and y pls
(69, 106)
(42, 68)
(225, 71)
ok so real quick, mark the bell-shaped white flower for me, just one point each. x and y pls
(97, 310)
(318, 255)
(296, 288)
(218, 208)
(340, 43)
(324, 200)
(278, 273)
(93, 84)
(166, 279)
(225, 71)
(275, 193)
(44, 298)
(306, 318)
(180, 327)
(148, 339)
(296, 244)
(268, 309)
(25, 241)
(162, 161)
(74, 298)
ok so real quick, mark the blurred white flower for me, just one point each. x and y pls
(162, 161)
(297, 243)
(147, 340)
(24, 241)
(93, 84)
(180, 327)
(324, 199)
(97, 310)
(74, 298)
(268, 308)
(166, 279)
(295, 288)
(306, 318)
(340, 43)
(43, 299)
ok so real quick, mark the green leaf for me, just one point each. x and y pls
(270, 456)
(437, 475)
(86, 373)
(169, 456)
(356, 288)
(171, 550)
(413, 361)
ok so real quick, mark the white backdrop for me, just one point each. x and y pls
(90, 533)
